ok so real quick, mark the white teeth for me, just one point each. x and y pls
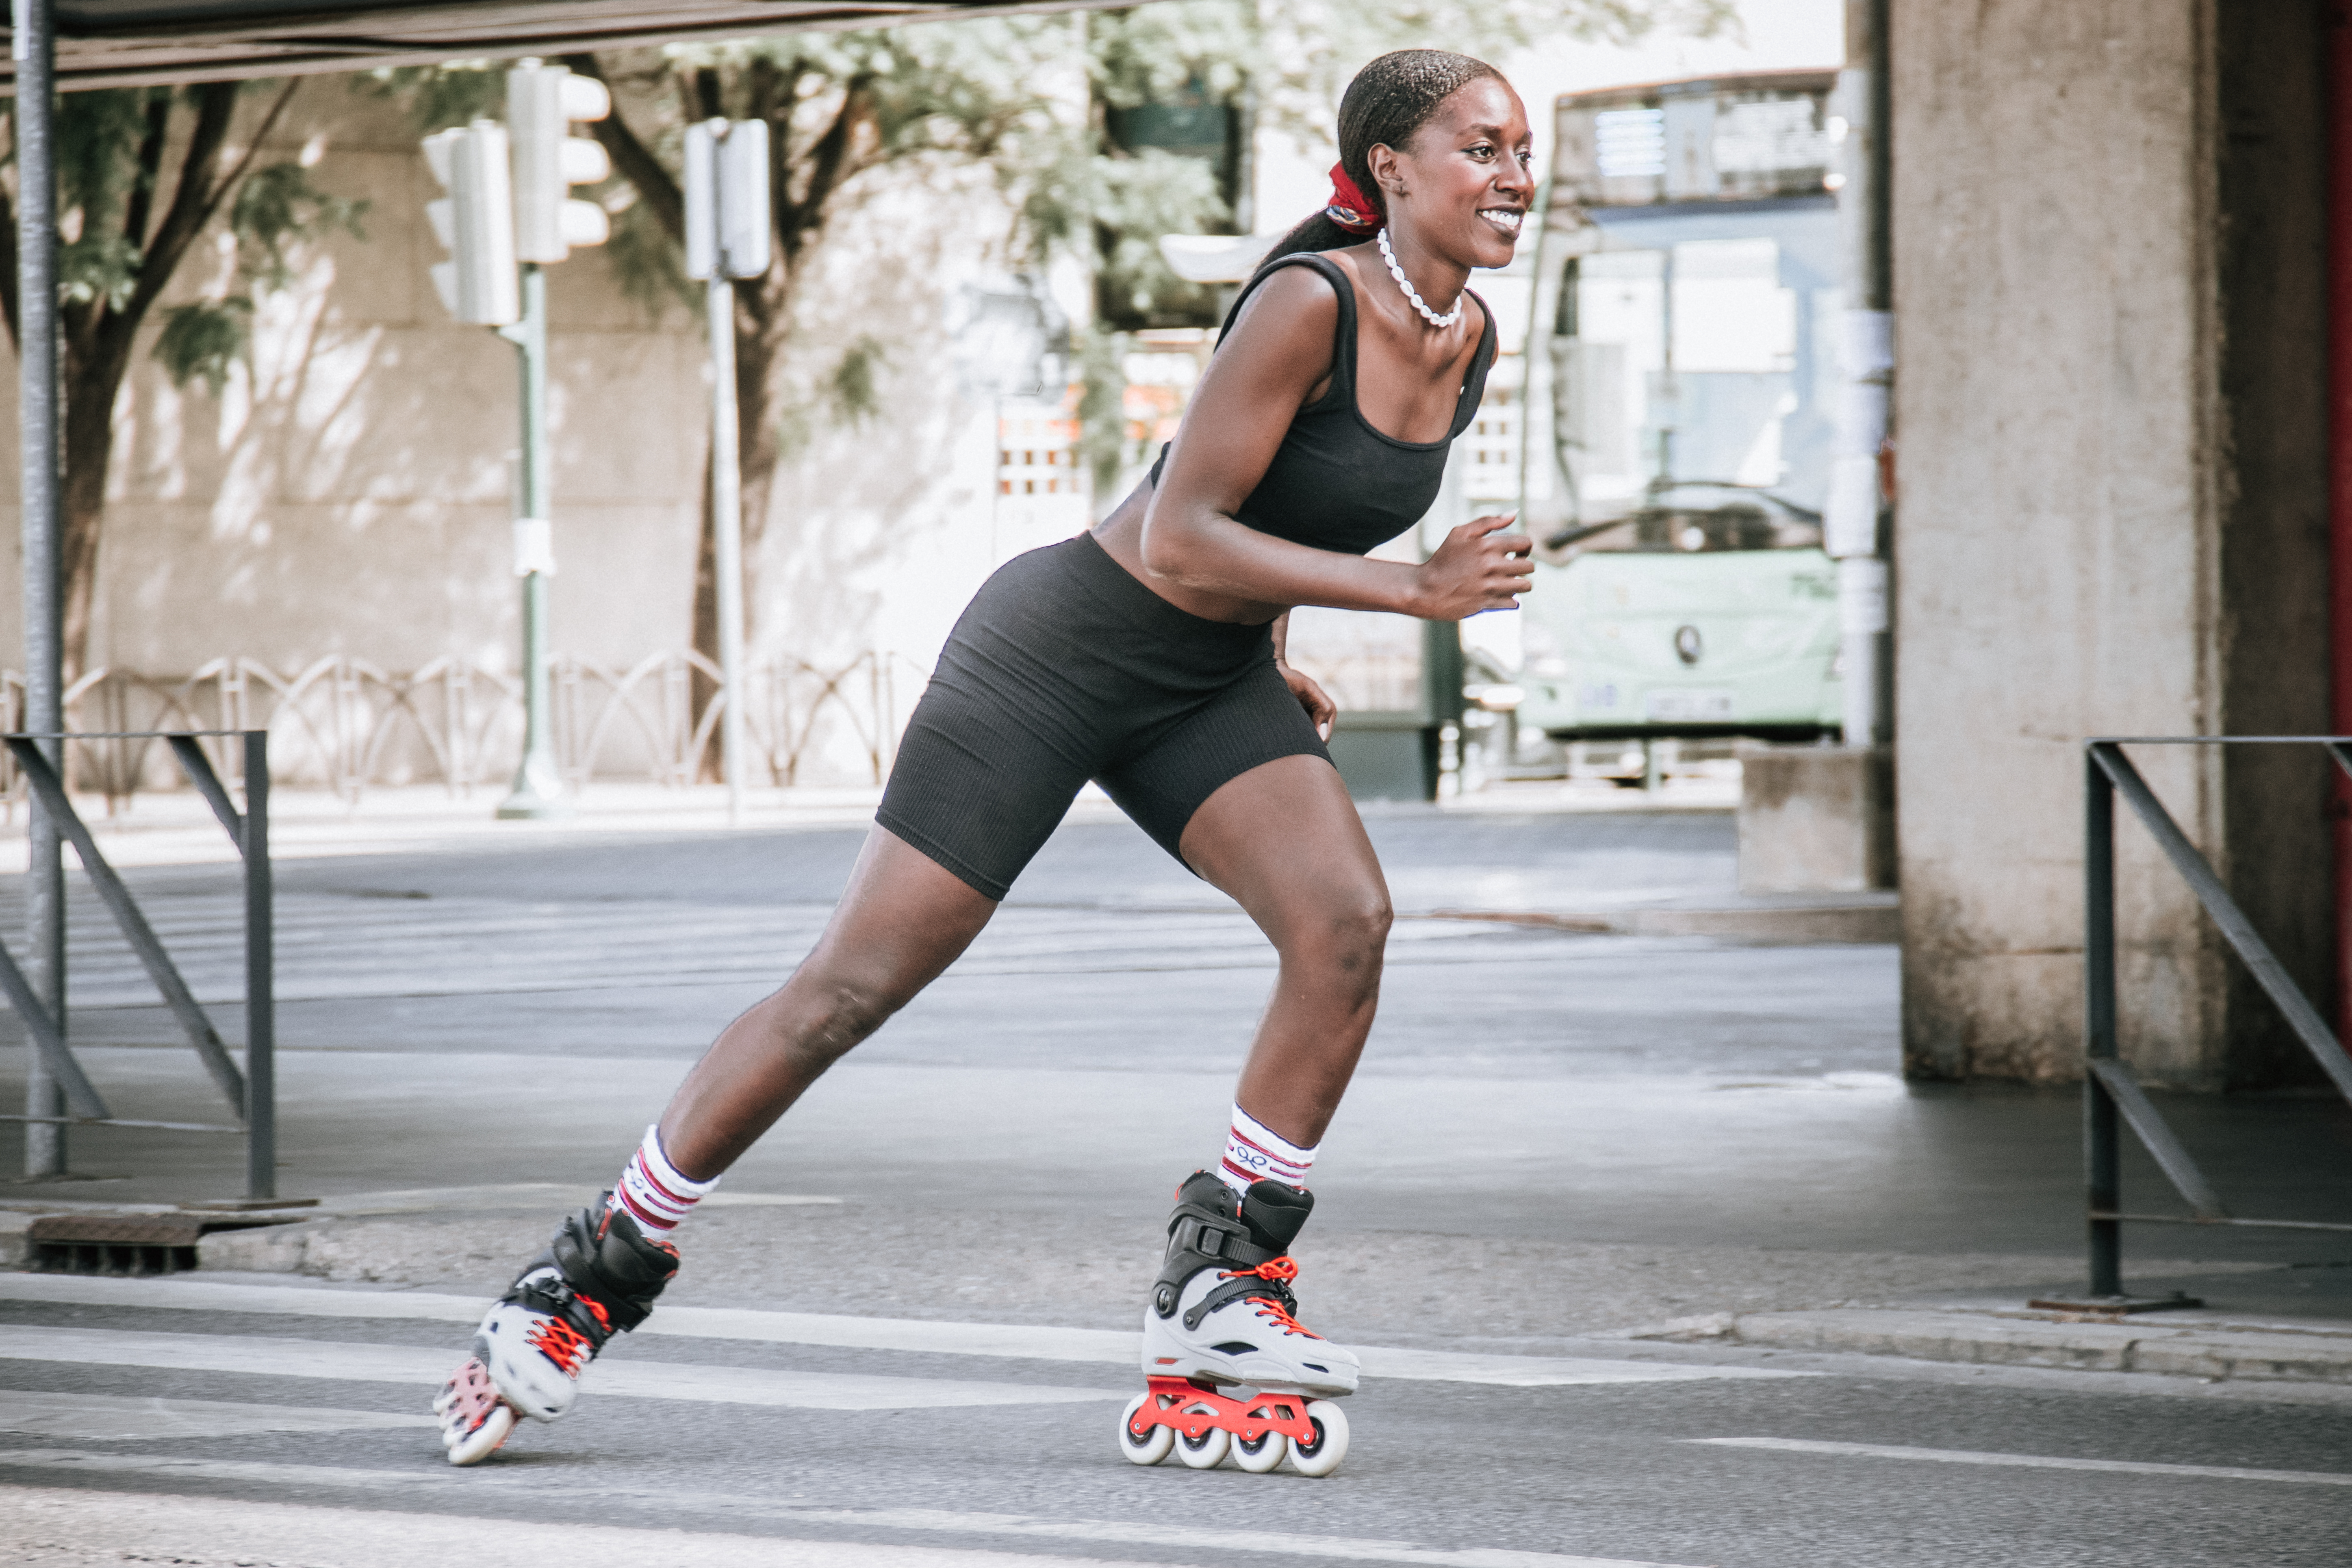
(1502, 218)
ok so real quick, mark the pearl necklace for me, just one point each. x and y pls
(1413, 294)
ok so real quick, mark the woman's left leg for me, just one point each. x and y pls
(1285, 841)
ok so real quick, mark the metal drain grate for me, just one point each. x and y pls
(124, 1243)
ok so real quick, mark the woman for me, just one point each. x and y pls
(1147, 656)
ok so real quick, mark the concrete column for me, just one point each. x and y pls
(2108, 278)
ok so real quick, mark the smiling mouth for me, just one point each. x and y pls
(1507, 219)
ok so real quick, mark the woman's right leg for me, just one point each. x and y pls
(902, 919)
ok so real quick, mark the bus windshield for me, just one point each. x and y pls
(1693, 369)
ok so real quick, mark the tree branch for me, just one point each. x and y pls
(199, 194)
(8, 268)
(633, 160)
(831, 160)
(149, 165)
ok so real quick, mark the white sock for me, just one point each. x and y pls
(652, 1190)
(1254, 1154)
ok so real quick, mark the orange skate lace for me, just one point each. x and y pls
(559, 1343)
(1280, 1271)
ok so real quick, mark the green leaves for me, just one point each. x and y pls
(277, 206)
(205, 341)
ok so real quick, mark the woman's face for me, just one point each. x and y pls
(1464, 185)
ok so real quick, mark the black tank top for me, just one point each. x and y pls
(1335, 483)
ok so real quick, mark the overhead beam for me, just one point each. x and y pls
(235, 44)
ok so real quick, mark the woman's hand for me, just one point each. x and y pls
(1311, 697)
(1479, 567)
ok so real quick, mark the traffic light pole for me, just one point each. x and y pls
(726, 540)
(539, 784)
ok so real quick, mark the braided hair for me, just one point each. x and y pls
(1390, 100)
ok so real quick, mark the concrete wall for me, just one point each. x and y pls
(2107, 284)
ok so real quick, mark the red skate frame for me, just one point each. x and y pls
(1173, 1401)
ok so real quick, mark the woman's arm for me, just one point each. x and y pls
(1278, 352)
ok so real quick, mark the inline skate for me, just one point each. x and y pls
(1229, 1367)
(598, 1278)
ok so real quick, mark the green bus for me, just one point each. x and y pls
(1681, 587)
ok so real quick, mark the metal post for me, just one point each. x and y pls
(2101, 1150)
(726, 540)
(1854, 522)
(539, 783)
(261, 986)
(33, 47)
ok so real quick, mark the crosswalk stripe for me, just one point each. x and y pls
(419, 1367)
(82, 1526)
(1009, 1340)
(2029, 1461)
(1160, 1536)
(105, 1417)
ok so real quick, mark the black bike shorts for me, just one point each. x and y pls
(1064, 668)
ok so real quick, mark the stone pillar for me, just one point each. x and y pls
(2108, 294)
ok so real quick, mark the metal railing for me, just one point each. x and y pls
(252, 1094)
(348, 724)
(2110, 1093)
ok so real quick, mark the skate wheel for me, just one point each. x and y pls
(1331, 1424)
(1148, 1450)
(473, 1420)
(485, 1439)
(1265, 1456)
(1208, 1452)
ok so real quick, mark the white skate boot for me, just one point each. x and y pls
(599, 1277)
(1230, 1366)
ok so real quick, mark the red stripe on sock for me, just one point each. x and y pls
(654, 1181)
(638, 1212)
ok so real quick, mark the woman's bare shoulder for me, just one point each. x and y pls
(1296, 304)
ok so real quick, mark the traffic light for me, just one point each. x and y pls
(729, 219)
(543, 100)
(474, 223)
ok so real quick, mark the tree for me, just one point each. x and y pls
(838, 106)
(141, 173)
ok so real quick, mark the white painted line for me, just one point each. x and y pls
(2030, 1461)
(1541, 1372)
(114, 1526)
(1022, 1342)
(1163, 1535)
(420, 1367)
(108, 1419)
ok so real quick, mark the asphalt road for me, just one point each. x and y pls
(1914, 1464)
(1555, 1136)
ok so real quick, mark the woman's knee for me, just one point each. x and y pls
(1344, 935)
(828, 1012)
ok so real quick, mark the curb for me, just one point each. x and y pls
(2320, 1351)
(1873, 920)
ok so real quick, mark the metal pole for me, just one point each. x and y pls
(33, 47)
(1855, 523)
(539, 783)
(261, 982)
(2101, 1150)
(726, 540)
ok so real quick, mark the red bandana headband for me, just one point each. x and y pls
(1349, 207)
